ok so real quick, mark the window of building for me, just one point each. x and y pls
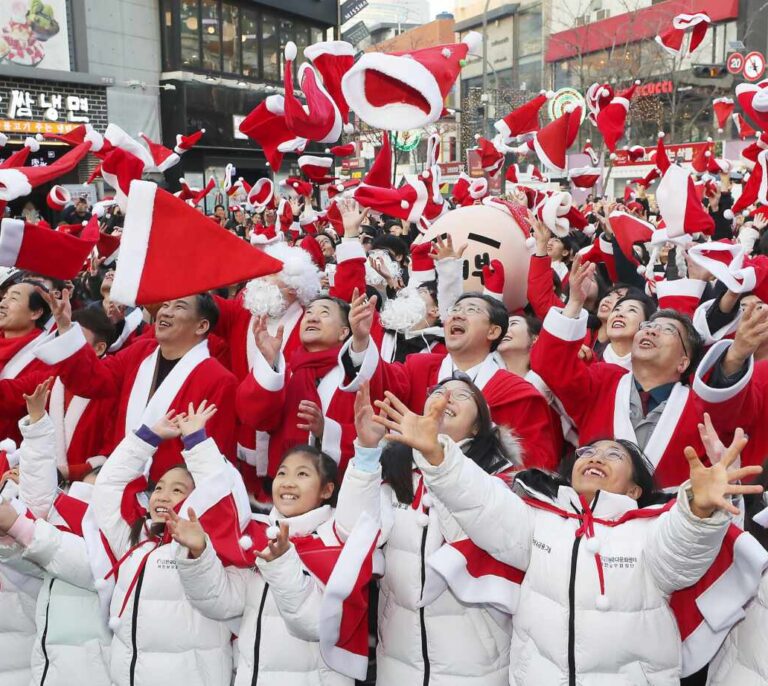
(270, 47)
(250, 42)
(211, 54)
(189, 25)
(230, 38)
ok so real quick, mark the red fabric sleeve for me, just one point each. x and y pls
(541, 292)
(257, 407)
(350, 270)
(529, 417)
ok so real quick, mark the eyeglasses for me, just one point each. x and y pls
(610, 454)
(471, 310)
(666, 329)
(460, 394)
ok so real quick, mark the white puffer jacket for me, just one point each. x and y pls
(455, 644)
(279, 604)
(743, 657)
(18, 594)
(559, 632)
(160, 638)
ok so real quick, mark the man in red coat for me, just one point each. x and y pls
(474, 327)
(153, 375)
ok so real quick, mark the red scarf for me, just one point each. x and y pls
(10, 346)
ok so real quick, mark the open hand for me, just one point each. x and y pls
(269, 346)
(276, 547)
(415, 430)
(361, 319)
(188, 533)
(369, 433)
(37, 401)
(353, 216)
(195, 419)
(443, 249)
(712, 444)
(61, 308)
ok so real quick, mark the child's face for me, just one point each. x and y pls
(174, 486)
(298, 488)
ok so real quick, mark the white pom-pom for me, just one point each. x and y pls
(327, 151)
(114, 623)
(707, 153)
(426, 500)
(290, 50)
(202, 130)
(613, 156)
(141, 133)
(728, 214)
(638, 82)
(182, 180)
(446, 52)
(404, 204)
(550, 95)
(602, 603)
(349, 127)
(477, 136)
(662, 134)
(593, 545)
(589, 141)
(719, 130)
(100, 584)
(339, 187)
(709, 139)
(641, 269)
(424, 175)
(273, 532)
(8, 445)
(530, 242)
(246, 542)
(422, 519)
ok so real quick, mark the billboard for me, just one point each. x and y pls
(34, 33)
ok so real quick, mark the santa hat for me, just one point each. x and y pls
(18, 158)
(681, 295)
(598, 95)
(80, 134)
(193, 196)
(523, 119)
(162, 157)
(310, 244)
(743, 129)
(119, 168)
(660, 156)
(380, 173)
(343, 188)
(755, 189)
(613, 117)
(185, 143)
(266, 124)
(729, 264)
(679, 206)
(433, 149)
(58, 197)
(629, 230)
(51, 253)
(700, 160)
(284, 217)
(535, 173)
(491, 159)
(719, 165)
(753, 98)
(584, 177)
(552, 142)
(239, 186)
(16, 182)
(723, 108)
(648, 179)
(261, 194)
(400, 91)
(512, 173)
(115, 137)
(108, 247)
(333, 59)
(297, 186)
(157, 225)
(750, 153)
(314, 168)
(493, 279)
(635, 152)
(320, 120)
(345, 150)
(695, 24)
(552, 211)
(589, 150)
(407, 202)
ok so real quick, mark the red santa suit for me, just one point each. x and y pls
(128, 377)
(597, 398)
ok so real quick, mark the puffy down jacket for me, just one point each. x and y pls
(18, 593)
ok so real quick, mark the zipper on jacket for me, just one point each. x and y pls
(257, 640)
(45, 634)
(422, 621)
(134, 624)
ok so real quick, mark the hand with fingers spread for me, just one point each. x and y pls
(311, 418)
(711, 485)
(188, 533)
(712, 444)
(751, 333)
(352, 216)
(195, 419)
(167, 426)
(361, 320)
(369, 433)
(760, 221)
(580, 284)
(541, 234)
(269, 346)
(443, 249)
(61, 308)
(37, 401)
(415, 430)
(276, 547)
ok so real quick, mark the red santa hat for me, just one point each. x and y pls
(612, 118)
(80, 134)
(16, 182)
(380, 173)
(535, 173)
(115, 137)
(407, 202)
(598, 96)
(755, 189)
(723, 108)
(239, 186)
(193, 196)
(314, 168)
(158, 225)
(629, 230)
(320, 120)
(284, 217)
(523, 119)
(552, 142)
(58, 197)
(187, 142)
(162, 157)
(719, 165)
(512, 173)
(18, 158)
(629, 193)
(491, 159)
(753, 98)
(108, 247)
(700, 160)
(589, 150)
(552, 210)
(433, 149)
(635, 152)
(584, 177)
(743, 129)
(297, 186)
(310, 244)
(750, 153)
(399, 91)
(493, 279)
(695, 24)
(648, 179)
(261, 194)
(660, 155)
(119, 168)
(346, 150)
(333, 59)
(679, 206)
(36, 248)
(681, 295)
(729, 264)
(266, 124)
(343, 188)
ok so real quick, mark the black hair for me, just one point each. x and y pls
(36, 302)
(326, 467)
(343, 305)
(485, 449)
(216, 207)
(497, 313)
(391, 243)
(694, 342)
(96, 321)
(430, 287)
(635, 294)
(207, 309)
(761, 248)
(534, 325)
(155, 529)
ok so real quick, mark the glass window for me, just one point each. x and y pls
(302, 41)
(317, 35)
(287, 33)
(529, 73)
(529, 32)
(270, 48)
(211, 38)
(230, 38)
(190, 33)
(170, 56)
(250, 41)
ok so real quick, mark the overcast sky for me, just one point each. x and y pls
(436, 6)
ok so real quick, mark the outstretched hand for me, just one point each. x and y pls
(195, 419)
(37, 401)
(276, 547)
(712, 444)
(443, 249)
(369, 433)
(61, 308)
(269, 346)
(188, 533)
(361, 319)
(352, 216)
(167, 426)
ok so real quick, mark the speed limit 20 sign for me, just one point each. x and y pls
(735, 63)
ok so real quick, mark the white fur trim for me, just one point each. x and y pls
(94, 138)
(11, 238)
(170, 161)
(565, 328)
(367, 368)
(349, 250)
(333, 134)
(268, 378)
(680, 288)
(62, 347)
(716, 395)
(474, 42)
(337, 48)
(422, 196)
(13, 184)
(134, 242)
(312, 160)
(275, 104)
(503, 128)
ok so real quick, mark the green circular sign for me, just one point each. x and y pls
(405, 141)
(563, 98)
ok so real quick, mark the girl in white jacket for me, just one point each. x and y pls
(446, 642)
(279, 601)
(589, 613)
(159, 637)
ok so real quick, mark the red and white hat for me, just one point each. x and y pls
(491, 159)
(598, 96)
(380, 173)
(523, 119)
(584, 177)
(629, 229)
(553, 209)
(239, 186)
(743, 129)
(399, 91)
(612, 117)
(589, 150)
(320, 120)
(719, 165)
(723, 108)
(316, 169)
(115, 137)
(266, 124)
(468, 190)
(552, 142)
(58, 197)
(346, 150)
(193, 196)
(679, 206)
(729, 264)
(56, 254)
(681, 295)
(119, 168)
(16, 182)
(261, 194)
(184, 143)
(297, 186)
(333, 59)
(343, 187)
(157, 224)
(648, 179)
(750, 153)
(493, 279)
(80, 134)
(108, 247)
(513, 172)
(700, 160)
(163, 158)
(433, 149)
(635, 152)
(535, 173)
(407, 202)
(755, 189)
(695, 24)
(753, 98)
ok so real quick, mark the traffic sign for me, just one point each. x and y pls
(754, 66)
(350, 8)
(357, 33)
(735, 63)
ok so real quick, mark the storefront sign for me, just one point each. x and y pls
(683, 152)
(350, 8)
(357, 33)
(450, 168)
(563, 98)
(30, 128)
(645, 90)
(52, 106)
(349, 163)
(237, 119)
(34, 33)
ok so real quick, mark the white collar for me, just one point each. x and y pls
(608, 505)
(303, 524)
(611, 356)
